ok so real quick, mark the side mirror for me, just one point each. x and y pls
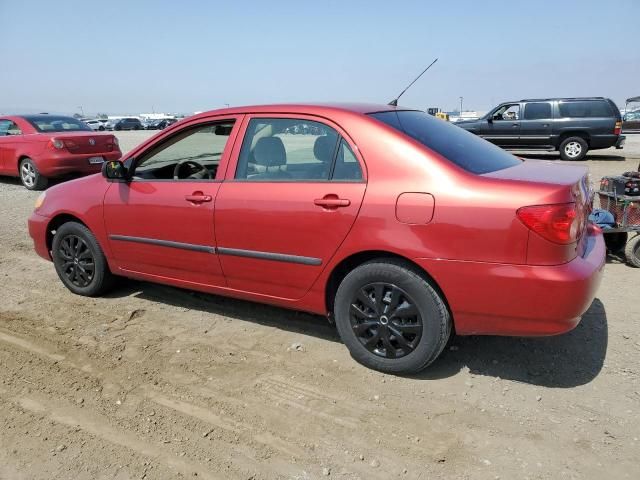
(114, 171)
(490, 119)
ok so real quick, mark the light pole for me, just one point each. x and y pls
(81, 111)
(461, 98)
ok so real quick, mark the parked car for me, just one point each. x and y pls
(38, 147)
(165, 122)
(631, 122)
(128, 124)
(398, 225)
(573, 126)
(96, 124)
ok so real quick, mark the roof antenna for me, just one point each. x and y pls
(394, 102)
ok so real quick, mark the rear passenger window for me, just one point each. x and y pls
(537, 111)
(283, 149)
(593, 108)
(7, 127)
(347, 165)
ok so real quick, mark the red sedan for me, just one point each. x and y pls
(38, 147)
(396, 224)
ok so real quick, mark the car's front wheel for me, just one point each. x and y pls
(390, 317)
(31, 178)
(573, 148)
(79, 261)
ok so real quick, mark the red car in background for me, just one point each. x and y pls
(396, 224)
(38, 147)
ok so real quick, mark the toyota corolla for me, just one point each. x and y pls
(400, 227)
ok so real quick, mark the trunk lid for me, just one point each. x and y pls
(87, 142)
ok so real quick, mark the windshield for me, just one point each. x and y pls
(57, 124)
(463, 148)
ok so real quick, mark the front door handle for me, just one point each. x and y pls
(198, 197)
(332, 202)
(515, 125)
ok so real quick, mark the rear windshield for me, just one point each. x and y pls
(57, 124)
(592, 108)
(466, 150)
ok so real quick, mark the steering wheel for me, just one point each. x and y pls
(200, 172)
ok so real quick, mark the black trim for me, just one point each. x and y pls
(164, 243)
(277, 257)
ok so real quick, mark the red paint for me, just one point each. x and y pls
(71, 158)
(497, 275)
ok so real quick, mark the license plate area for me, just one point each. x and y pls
(96, 160)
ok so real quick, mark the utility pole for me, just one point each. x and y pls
(461, 98)
(81, 111)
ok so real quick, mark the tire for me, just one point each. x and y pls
(573, 148)
(101, 129)
(424, 334)
(75, 251)
(632, 251)
(616, 241)
(30, 177)
(117, 129)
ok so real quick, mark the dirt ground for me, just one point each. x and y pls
(159, 383)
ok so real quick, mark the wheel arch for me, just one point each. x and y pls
(56, 222)
(353, 261)
(574, 133)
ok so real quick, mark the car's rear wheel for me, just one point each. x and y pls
(632, 251)
(390, 317)
(573, 148)
(31, 178)
(79, 261)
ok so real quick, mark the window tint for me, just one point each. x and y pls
(198, 151)
(49, 123)
(347, 165)
(537, 111)
(286, 149)
(455, 144)
(7, 127)
(592, 108)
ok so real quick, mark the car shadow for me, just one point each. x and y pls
(563, 361)
(290, 320)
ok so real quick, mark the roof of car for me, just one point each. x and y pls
(558, 98)
(310, 108)
(42, 116)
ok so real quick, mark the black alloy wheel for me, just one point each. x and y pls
(79, 264)
(385, 320)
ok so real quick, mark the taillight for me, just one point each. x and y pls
(618, 128)
(115, 140)
(55, 143)
(559, 223)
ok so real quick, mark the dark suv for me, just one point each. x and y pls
(571, 125)
(129, 124)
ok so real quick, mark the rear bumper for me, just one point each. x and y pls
(64, 164)
(520, 300)
(605, 141)
(38, 233)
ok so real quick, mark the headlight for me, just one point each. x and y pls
(40, 200)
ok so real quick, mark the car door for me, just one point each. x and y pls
(160, 224)
(535, 126)
(287, 203)
(503, 126)
(5, 141)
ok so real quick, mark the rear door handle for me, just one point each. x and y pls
(198, 197)
(332, 201)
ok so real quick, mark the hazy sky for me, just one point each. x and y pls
(119, 56)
